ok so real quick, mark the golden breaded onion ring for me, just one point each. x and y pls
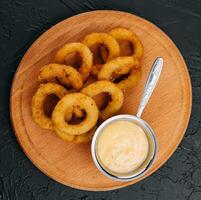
(125, 34)
(83, 138)
(86, 137)
(108, 42)
(116, 96)
(66, 104)
(121, 65)
(131, 80)
(68, 74)
(105, 39)
(85, 53)
(38, 99)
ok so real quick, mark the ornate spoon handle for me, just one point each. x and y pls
(150, 84)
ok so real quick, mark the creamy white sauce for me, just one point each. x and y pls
(122, 147)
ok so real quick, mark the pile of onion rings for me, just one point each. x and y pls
(77, 113)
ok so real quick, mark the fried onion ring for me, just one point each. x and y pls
(108, 42)
(131, 80)
(38, 99)
(83, 138)
(116, 96)
(125, 34)
(65, 105)
(105, 39)
(83, 50)
(68, 74)
(122, 65)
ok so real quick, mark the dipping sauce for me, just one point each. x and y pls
(122, 147)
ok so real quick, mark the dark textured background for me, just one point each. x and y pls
(22, 21)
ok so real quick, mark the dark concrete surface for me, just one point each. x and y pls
(22, 21)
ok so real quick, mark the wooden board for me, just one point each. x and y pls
(167, 112)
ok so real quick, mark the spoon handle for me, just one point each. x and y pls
(150, 84)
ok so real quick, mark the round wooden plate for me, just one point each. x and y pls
(167, 112)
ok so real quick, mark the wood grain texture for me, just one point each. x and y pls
(168, 111)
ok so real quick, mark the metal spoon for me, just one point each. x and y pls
(148, 89)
